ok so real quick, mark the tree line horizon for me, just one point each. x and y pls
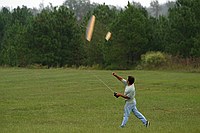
(55, 36)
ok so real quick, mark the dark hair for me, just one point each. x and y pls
(131, 80)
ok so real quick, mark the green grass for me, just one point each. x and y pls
(73, 101)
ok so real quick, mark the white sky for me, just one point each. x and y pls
(35, 3)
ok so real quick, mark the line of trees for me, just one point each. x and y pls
(55, 36)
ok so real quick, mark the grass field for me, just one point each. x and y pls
(73, 101)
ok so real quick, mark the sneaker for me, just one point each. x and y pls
(121, 126)
(147, 124)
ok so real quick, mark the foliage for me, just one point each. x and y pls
(79, 7)
(130, 35)
(153, 59)
(184, 28)
(98, 49)
(5, 20)
(14, 50)
(55, 36)
(155, 6)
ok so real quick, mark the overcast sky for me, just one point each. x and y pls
(35, 3)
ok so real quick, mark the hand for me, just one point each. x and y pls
(114, 74)
(117, 94)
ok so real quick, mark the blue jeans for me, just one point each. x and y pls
(127, 110)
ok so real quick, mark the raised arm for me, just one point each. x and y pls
(118, 77)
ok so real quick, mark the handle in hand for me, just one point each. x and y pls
(115, 94)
